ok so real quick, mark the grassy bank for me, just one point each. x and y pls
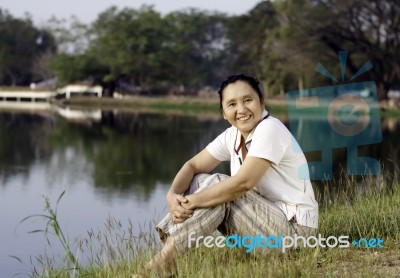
(390, 113)
(370, 210)
(156, 103)
(182, 104)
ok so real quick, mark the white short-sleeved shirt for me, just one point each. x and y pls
(282, 182)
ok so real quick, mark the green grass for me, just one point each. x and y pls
(160, 105)
(185, 105)
(363, 208)
(391, 113)
(189, 106)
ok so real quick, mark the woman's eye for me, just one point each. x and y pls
(247, 100)
(231, 104)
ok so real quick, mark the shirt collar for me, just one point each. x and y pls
(265, 115)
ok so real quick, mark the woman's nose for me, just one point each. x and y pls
(241, 107)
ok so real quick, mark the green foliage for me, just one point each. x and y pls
(71, 68)
(247, 36)
(21, 45)
(196, 44)
(312, 32)
(141, 47)
(280, 42)
(129, 43)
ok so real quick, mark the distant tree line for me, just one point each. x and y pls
(280, 42)
(25, 51)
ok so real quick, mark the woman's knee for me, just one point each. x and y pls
(203, 181)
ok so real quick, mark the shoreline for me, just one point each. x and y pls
(168, 104)
(195, 105)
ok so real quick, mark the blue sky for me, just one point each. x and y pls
(87, 10)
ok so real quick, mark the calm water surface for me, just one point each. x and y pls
(111, 164)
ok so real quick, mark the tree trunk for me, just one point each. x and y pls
(301, 86)
(382, 90)
(281, 90)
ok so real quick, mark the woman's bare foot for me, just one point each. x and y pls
(163, 264)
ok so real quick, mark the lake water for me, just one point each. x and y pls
(110, 164)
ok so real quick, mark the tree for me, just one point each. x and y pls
(70, 68)
(71, 35)
(370, 28)
(367, 29)
(142, 48)
(196, 42)
(129, 44)
(290, 60)
(20, 45)
(247, 37)
(41, 69)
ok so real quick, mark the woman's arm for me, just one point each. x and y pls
(203, 162)
(231, 188)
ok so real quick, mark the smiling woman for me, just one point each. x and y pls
(264, 194)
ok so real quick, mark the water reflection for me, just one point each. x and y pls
(135, 151)
(73, 114)
(121, 152)
(23, 140)
(131, 152)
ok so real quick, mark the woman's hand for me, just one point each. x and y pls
(189, 204)
(175, 203)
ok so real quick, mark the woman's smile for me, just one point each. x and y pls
(244, 118)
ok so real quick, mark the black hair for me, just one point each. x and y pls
(252, 81)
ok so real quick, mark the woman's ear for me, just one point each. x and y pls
(223, 114)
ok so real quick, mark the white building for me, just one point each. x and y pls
(69, 90)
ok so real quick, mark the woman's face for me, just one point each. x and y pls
(241, 106)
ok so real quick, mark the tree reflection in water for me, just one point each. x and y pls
(123, 152)
(130, 153)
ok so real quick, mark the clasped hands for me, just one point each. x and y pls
(180, 207)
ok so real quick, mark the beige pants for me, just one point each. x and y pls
(250, 215)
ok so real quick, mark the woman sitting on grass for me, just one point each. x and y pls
(264, 194)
